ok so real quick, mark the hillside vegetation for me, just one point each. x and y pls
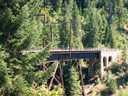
(93, 24)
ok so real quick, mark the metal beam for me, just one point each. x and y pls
(81, 77)
(62, 82)
(53, 76)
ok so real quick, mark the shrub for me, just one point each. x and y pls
(121, 93)
(99, 94)
(108, 75)
(97, 81)
(115, 67)
(126, 79)
(111, 85)
(43, 91)
(125, 63)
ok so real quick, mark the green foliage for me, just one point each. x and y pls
(108, 74)
(71, 78)
(99, 94)
(43, 91)
(114, 67)
(19, 86)
(102, 24)
(121, 93)
(76, 26)
(4, 77)
(96, 69)
(92, 28)
(126, 77)
(111, 85)
(124, 57)
(97, 81)
(73, 81)
(19, 31)
(40, 75)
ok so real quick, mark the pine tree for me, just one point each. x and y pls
(91, 29)
(76, 25)
(70, 3)
(59, 5)
(112, 39)
(115, 8)
(71, 79)
(64, 27)
(5, 77)
(104, 29)
(87, 3)
(64, 33)
(19, 29)
(125, 56)
(120, 14)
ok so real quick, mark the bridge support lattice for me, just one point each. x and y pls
(81, 77)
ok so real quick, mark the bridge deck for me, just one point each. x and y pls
(64, 55)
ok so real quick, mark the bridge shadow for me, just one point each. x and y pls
(86, 78)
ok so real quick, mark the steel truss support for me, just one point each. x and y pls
(62, 82)
(54, 77)
(81, 77)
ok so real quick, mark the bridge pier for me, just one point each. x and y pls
(101, 68)
(90, 68)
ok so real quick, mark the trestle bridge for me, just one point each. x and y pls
(103, 56)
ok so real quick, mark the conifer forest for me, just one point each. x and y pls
(27, 25)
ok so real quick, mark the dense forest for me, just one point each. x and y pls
(94, 24)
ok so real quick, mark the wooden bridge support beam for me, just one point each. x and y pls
(81, 77)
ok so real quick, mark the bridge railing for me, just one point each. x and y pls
(83, 49)
(67, 49)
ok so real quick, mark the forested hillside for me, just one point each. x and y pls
(94, 24)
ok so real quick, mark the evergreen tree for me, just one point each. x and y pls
(91, 29)
(110, 13)
(71, 79)
(115, 8)
(112, 39)
(120, 14)
(87, 3)
(59, 5)
(125, 56)
(70, 3)
(104, 29)
(64, 28)
(66, 10)
(5, 77)
(76, 25)
(64, 33)
(18, 32)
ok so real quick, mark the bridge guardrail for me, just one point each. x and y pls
(67, 49)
